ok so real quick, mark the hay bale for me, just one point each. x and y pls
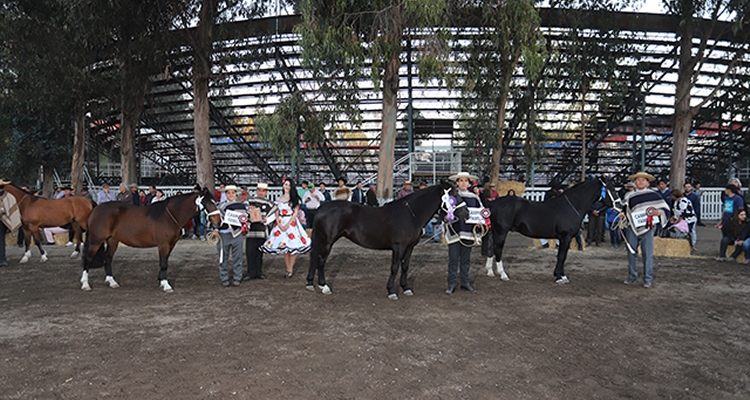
(61, 239)
(668, 247)
(553, 244)
(740, 258)
(504, 186)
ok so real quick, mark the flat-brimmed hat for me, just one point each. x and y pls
(641, 174)
(262, 185)
(407, 182)
(3, 182)
(463, 174)
(227, 188)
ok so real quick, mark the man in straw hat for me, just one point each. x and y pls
(405, 191)
(262, 216)
(230, 233)
(10, 216)
(645, 209)
(460, 237)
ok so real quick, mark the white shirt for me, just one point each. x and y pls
(312, 200)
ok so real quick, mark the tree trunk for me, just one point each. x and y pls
(127, 146)
(384, 188)
(683, 115)
(498, 151)
(204, 168)
(48, 182)
(76, 166)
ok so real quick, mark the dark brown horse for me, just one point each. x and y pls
(39, 213)
(156, 225)
(396, 226)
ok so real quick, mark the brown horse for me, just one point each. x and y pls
(156, 225)
(39, 213)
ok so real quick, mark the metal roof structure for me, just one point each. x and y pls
(719, 146)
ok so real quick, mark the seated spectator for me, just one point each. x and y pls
(735, 231)
(682, 210)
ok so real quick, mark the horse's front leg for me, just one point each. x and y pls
(27, 243)
(318, 256)
(164, 253)
(395, 263)
(498, 242)
(405, 270)
(36, 233)
(562, 254)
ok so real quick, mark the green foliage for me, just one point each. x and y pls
(293, 121)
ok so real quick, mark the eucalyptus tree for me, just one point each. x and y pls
(700, 30)
(501, 36)
(340, 39)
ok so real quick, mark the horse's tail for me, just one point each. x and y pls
(98, 260)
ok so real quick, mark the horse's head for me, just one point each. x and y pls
(205, 201)
(609, 195)
(452, 205)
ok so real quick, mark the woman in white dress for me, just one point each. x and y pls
(287, 237)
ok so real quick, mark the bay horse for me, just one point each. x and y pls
(156, 225)
(558, 217)
(396, 226)
(37, 212)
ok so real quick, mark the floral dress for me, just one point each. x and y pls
(292, 241)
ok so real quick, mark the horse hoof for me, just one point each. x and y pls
(164, 284)
(408, 292)
(562, 280)
(74, 255)
(393, 296)
(111, 282)
(325, 289)
(170, 290)
(44, 258)
(24, 260)
(504, 277)
(86, 287)
(310, 288)
(490, 273)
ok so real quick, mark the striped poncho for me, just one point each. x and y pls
(636, 204)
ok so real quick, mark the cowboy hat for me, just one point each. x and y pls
(407, 182)
(462, 174)
(641, 174)
(228, 188)
(3, 182)
(262, 185)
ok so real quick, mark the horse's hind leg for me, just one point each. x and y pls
(164, 252)
(562, 254)
(405, 270)
(36, 233)
(111, 249)
(318, 256)
(78, 232)
(498, 238)
(27, 243)
(395, 263)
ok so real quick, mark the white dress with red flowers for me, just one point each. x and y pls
(292, 241)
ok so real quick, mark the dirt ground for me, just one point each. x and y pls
(685, 338)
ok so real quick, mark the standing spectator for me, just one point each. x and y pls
(642, 207)
(198, 225)
(342, 192)
(461, 238)
(220, 194)
(142, 197)
(312, 200)
(231, 239)
(287, 237)
(405, 191)
(87, 195)
(736, 182)
(735, 231)
(699, 192)
(245, 195)
(58, 193)
(9, 219)
(150, 196)
(683, 210)
(694, 199)
(663, 190)
(511, 192)
(135, 197)
(326, 194)
(158, 197)
(597, 217)
(358, 194)
(612, 220)
(371, 199)
(262, 213)
(105, 196)
(302, 189)
(732, 202)
(124, 195)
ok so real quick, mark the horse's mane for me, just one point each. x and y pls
(155, 210)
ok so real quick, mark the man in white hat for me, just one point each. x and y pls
(262, 216)
(10, 218)
(645, 210)
(405, 191)
(230, 233)
(460, 237)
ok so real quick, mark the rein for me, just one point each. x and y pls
(172, 216)
(410, 210)
(571, 205)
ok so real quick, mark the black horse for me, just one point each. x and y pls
(558, 217)
(396, 226)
